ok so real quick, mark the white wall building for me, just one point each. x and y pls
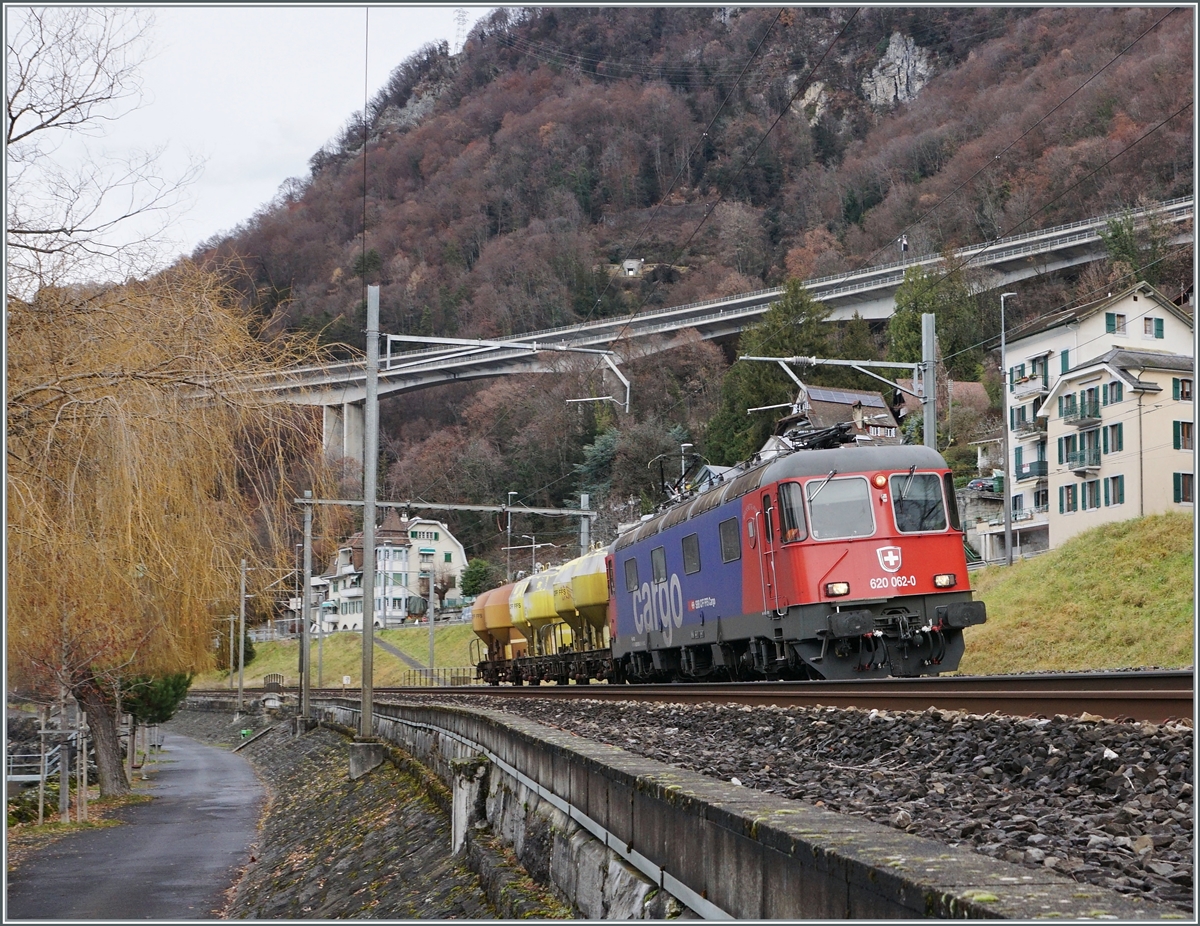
(403, 551)
(1082, 348)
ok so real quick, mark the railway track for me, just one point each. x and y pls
(1154, 696)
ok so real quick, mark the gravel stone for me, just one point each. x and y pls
(1104, 802)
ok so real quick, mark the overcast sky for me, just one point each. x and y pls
(256, 91)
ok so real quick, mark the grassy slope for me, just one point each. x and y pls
(1119, 596)
(341, 654)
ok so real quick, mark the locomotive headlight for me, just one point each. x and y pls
(945, 580)
(880, 480)
(837, 589)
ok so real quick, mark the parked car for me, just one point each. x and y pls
(981, 485)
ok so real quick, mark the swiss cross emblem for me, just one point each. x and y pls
(889, 558)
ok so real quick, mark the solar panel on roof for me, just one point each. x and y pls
(819, 394)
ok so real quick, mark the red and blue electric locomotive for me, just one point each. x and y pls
(841, 563)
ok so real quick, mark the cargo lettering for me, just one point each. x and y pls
(659, 607)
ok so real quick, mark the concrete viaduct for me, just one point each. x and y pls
(340, 389)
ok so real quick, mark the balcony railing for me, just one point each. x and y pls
(1030, 427)
(1080, 413)
(1035, 469)
(1029, 386)
(1088, 458)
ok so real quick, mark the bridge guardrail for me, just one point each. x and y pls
(880, 274)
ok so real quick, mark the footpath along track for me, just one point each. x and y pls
(1151, 695)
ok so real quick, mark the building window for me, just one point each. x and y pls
(426, 559)
(1181, 389)
(1041, 499)
(1152, 328)
(1183, 487)
(1068, 499)
(1114, 490)
(1114, 323)
(1114, 438)
(448, 558)
(1182, 435)
(1091, 494)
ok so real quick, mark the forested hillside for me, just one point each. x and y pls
(730, 149)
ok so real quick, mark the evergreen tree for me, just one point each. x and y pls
(792, 327)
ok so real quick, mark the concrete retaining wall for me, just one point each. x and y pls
(590, 817)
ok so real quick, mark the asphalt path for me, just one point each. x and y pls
(172, 858)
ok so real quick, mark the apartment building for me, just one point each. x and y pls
(1116, 357)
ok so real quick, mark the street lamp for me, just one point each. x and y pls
(508, 511)
(1004, 421)
(683, 449)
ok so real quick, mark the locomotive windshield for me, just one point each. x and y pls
(917, 502)
(839, 508)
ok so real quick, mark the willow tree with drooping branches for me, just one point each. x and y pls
(143, 464)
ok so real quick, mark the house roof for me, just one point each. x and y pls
(1088, 309)
(1120, 364)
(821, 407)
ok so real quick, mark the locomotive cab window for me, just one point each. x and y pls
(839, 508)
(691, 554)
(791, 512)
(731, 541)
(658, 564)
(917, 502)
(631, 576)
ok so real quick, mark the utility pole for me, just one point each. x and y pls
(1004, 387)
(241, 634)
(585, 524)
(305, 608)
(929, 377)
(370, 472)
(429, 616)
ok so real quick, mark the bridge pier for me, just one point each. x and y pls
(342, 430)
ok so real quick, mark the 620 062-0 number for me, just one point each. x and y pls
(894, 582)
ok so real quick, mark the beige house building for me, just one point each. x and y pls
(1080, 383)
(1123, 431)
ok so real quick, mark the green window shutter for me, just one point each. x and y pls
(1104, 394)
(1061, 458)
(1175, 436)
(1061, 505)
(1012, 374)
(1120, 436)
(1118, 392)
(1106, 493)
(1121, 490)
(1175, 388)
(1110, 322)
(1104, 440)
(448, 559)
(1012, 418)
(1178, 485)
(1066, 362)
(1060, 398)
(1018, 454)
(1158, 328)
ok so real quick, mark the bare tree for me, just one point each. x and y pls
(75, 213)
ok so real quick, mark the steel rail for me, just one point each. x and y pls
(1156, 696)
